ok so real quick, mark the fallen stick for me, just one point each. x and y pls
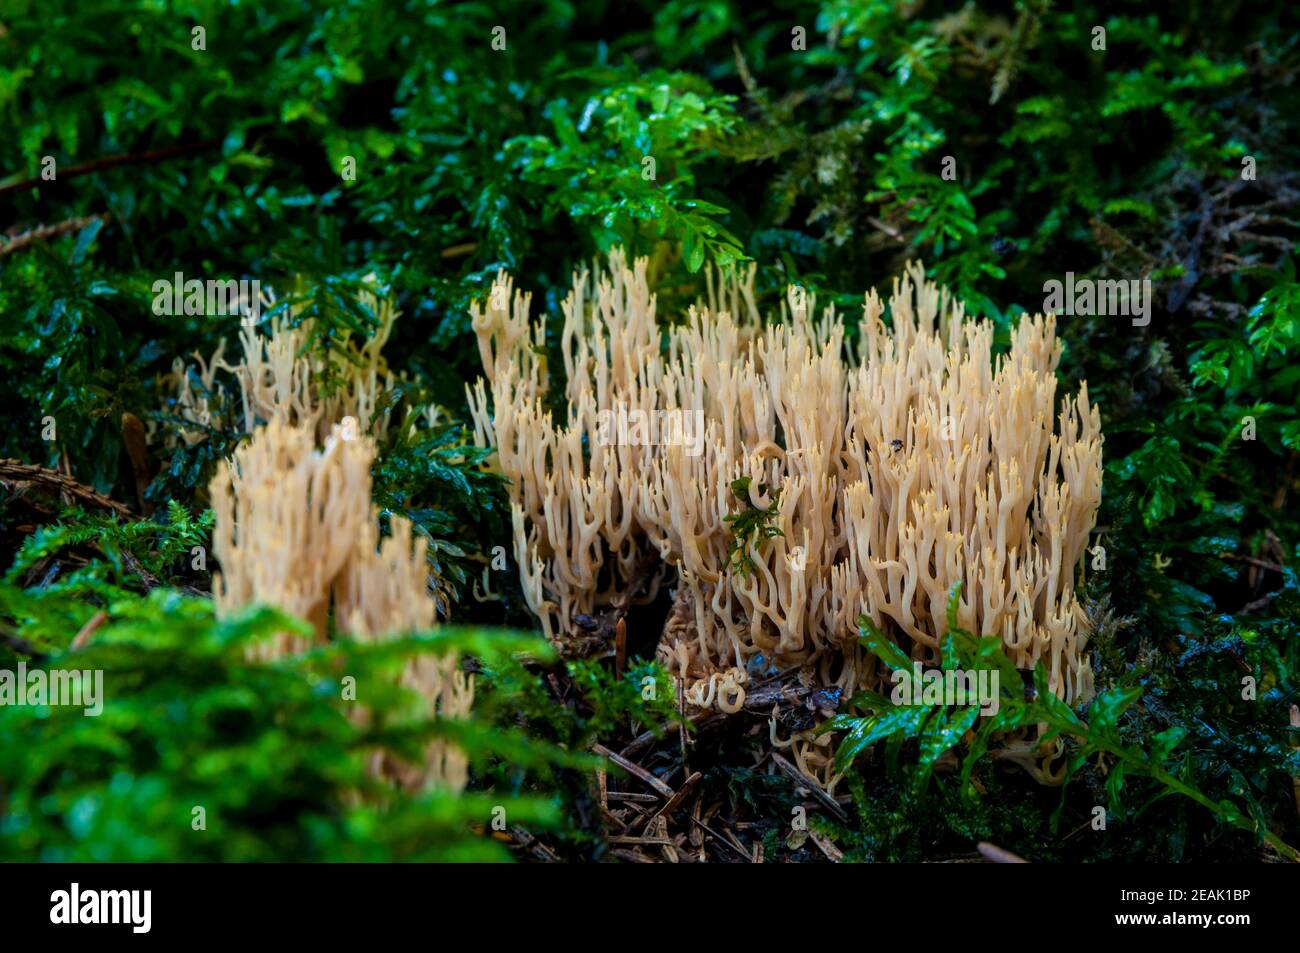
(41, 232)
(92, 625)
(635, 770)
(996, 855)
(111, 162)
(811, 786)
(17, 473)
(675, 801)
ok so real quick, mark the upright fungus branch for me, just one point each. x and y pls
(279, 375)
(287, 518)
(295, 527)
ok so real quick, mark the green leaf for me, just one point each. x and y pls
(879, 645)
(904, 721)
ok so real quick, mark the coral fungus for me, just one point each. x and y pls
(896, 463)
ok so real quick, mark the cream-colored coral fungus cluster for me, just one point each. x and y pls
(295, 529)
(900, 461)
(279, 375)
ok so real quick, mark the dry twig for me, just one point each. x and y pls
(112, 162)
(18, 475)
(41, 232)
